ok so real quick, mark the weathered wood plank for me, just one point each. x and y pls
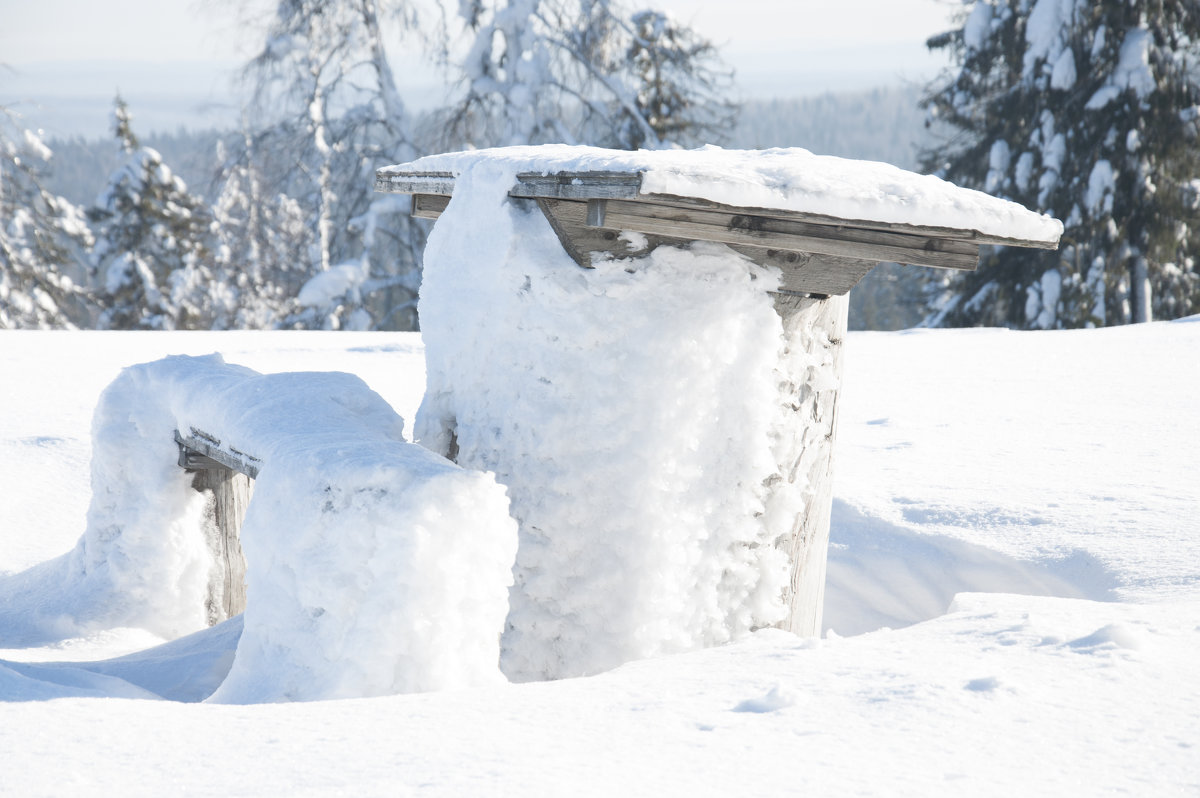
(959, 233)
(778, 234)
(802, 272)
(564, 185)
(231, 493)
(201, 443)
(833, 231)
(579, 185)
(580, 241)
(429, 206)
(575, 229)
(809, 273)
(624, 185)
(770, 233)
(415, 183)
(228, 474)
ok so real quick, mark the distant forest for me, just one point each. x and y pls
(883, 124)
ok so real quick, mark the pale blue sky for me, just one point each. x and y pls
(779, 48)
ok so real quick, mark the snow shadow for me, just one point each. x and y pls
(884, 575)
(879, 575)
(188, 669)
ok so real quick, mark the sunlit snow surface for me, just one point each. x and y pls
(981, 462)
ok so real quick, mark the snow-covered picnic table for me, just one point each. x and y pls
(615, 462)
(778, 207)
(663, 418)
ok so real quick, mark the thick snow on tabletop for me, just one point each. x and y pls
(789, 179)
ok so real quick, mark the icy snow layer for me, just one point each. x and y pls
(373, 565)
(985, 460)
(782, 179)
(628, 409)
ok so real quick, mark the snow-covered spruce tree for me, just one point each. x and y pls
(585, 72)
(683, 88)
(325, 114)
(1088, 110)
(262, 260)
(155, 244)
(44, 239)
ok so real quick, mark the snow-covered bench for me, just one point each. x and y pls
(373, 566)
(664, 417)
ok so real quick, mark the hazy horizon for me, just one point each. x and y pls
(178, 58)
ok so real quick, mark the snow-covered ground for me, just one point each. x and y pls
(1049, 480)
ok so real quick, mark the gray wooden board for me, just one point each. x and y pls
(818, 254)
(934, 231)
(774, 234)
(627, 185)
(564, 185)
(429, 206)
(582, 241)
(802, 272)
(206, 446)
(231, 493)
(810, 273)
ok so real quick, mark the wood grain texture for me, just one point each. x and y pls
(429, 206)
(959, 233)
(568, 219)
(819, 260)
(227, 474)
(197, 442)
(783, 234)
(802, 272)
(627, 186)
(231, 493)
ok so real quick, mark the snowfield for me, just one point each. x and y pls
(1013, 599)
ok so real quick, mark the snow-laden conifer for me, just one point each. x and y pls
(682, 87)
(43, 239)
(155, 244)
(264, 243)
(586, 72)
(1088, 111)
(325, 113)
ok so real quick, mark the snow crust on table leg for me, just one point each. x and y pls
(801, 498)
(629, 409)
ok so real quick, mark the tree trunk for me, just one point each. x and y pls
(1140, 290)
